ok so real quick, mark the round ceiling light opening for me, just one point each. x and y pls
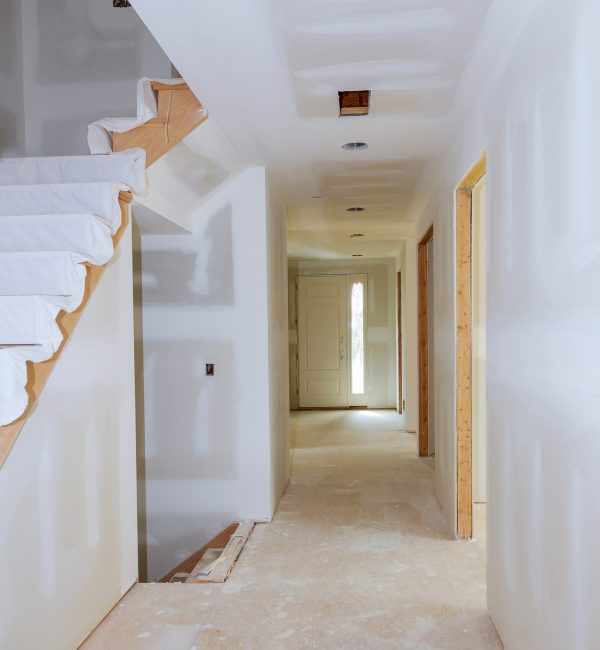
(355, 146)
(357, 234)
(355, 210)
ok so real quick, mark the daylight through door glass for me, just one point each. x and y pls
(357, 304)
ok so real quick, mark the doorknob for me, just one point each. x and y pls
(341, 348)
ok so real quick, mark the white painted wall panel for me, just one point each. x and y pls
(208, 439)
(68, 539)
(533, 86)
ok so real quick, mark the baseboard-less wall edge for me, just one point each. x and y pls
(110, 611)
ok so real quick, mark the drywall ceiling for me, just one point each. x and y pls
(269, 73)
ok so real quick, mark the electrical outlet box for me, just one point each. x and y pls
(210, 369)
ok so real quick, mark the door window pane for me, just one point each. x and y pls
(357, 304)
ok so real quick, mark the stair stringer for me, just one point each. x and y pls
(38, 373)
(68, 487)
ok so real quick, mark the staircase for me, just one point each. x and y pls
(61, 219)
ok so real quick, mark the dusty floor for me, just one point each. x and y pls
(358, 556)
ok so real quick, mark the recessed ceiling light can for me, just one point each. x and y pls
(355, 210)
(357, 254)
(355, 146)
(357, 234)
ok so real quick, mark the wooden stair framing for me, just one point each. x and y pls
(219, 569)
(179, 113)
(228, 545)
(38, 373)
(187, 566)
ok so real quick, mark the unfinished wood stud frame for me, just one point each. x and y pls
(423, 313)
(399, 342)
(464, 350)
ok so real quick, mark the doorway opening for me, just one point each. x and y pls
(470, 346)
(425, 317)
(332, 351)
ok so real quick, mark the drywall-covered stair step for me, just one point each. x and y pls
(100, 199)
(83, 234)
(29, 320)
(13, 379)
(126, 167)
(59, 276)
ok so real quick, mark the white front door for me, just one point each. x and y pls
(322, 341)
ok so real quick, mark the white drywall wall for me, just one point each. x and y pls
(407, 265)
(534, 92)
(186, 175)
(381, 323)
(81, 61)
(431, 378)
(12, 122)
(68, 537)
(208, 440)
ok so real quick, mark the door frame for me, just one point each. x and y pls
(348, 277)
(399, 340)
(464, 347)
(423, 327)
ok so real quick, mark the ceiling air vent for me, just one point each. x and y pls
(354, 102)
(355, 146)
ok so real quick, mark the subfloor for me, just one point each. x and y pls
(357, 556)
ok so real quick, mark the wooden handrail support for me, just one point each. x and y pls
(179, 113)
(38, 373)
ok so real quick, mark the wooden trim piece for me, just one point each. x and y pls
(219, 570)
(423, 345)
(399, 342)
(475, 174)
(218, 541)
(464, 362)
(159, 85)
(38, 373)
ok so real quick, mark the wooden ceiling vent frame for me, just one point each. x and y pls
(423, 315)
(464, 348)
(354, 102)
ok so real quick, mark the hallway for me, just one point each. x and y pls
(357, 556)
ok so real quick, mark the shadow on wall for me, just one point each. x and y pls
(86, 40)
(10, 26)
(180, 400)
(199, 275)
(9, 140)
(197, 173)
